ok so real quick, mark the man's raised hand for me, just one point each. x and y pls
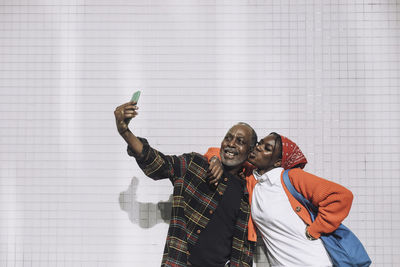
(123, 115)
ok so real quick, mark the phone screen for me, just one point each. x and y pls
(135, 96)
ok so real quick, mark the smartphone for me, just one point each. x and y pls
(135, 97)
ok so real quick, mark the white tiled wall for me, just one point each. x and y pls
(325, 73)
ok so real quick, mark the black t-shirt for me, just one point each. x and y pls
(213, 249)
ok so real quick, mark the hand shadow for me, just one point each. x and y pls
(146, 215)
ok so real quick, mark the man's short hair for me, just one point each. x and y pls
(253, 134)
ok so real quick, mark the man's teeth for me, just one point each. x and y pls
(230, 153)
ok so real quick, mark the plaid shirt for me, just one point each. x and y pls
(194, 202)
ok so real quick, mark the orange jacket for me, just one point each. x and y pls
(333, 200)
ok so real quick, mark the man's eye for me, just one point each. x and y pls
(241, 141)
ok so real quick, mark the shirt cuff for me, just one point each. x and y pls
(145, 151)
(313, 233)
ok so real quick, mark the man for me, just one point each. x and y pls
(208, 226)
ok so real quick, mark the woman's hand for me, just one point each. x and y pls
(215, 170)
(309, 237)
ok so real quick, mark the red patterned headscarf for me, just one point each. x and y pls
(291, 154)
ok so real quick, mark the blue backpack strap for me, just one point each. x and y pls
(343, 247)
(299, 197)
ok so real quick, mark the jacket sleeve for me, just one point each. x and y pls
(211, 152)
(333, 200)
(158, 166)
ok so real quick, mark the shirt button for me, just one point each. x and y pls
(298, 209)
(226, 179)
(198, 231)
(211, 212)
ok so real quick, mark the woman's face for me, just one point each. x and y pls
(265, 155)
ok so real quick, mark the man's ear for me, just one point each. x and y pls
(278, 163)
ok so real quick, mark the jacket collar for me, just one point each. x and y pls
(272, 177)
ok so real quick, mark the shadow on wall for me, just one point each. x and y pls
(146, 215)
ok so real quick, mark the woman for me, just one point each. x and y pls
(290, 236)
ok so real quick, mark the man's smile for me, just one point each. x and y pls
(230, 152)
